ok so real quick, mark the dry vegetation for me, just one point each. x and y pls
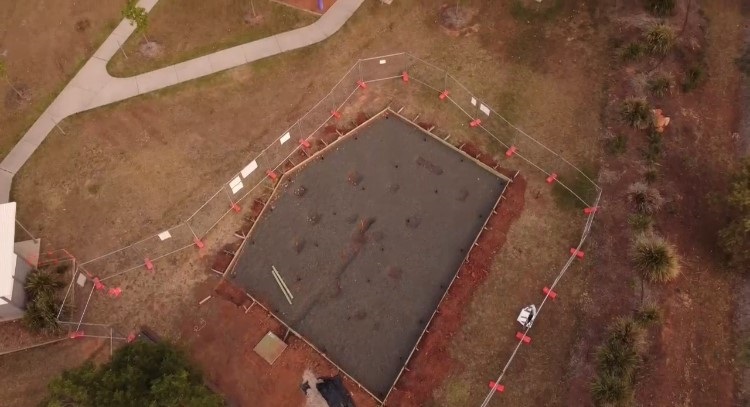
(42, 48)
(180, 30)
(128, 170)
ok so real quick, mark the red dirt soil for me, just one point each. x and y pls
(432, 363)
(221, 338)
(246, 379)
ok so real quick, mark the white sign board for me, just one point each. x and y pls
(81, 280)
(236, 184)
(473, 102)
(286, 137)
(164, 235)
(249, 169)
(484, 109)
(382, 62)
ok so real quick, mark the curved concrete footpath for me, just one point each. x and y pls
(93, 86)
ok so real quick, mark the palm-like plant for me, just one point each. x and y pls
(659, 40)
(610, 389)
(655, 259)
(644, 198)
(637, 113)
(39, 283)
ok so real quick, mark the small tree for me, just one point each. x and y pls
(137, 16)
(4, 75)
(139, 374)
(735, 238)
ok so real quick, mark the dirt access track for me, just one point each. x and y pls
(368, 235)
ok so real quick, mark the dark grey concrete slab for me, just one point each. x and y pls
(368, 239)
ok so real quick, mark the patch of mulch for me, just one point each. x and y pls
(151, 49)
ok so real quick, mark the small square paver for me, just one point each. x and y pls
(270, 347)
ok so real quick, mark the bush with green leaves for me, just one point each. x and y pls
(659, 40)
(40, 282)
(644, 198)
(41, 314)
(618, 360)
(660, 85)
(660, 8)
(655, 259)
(735, 238)
(636, 112)
(139, 374)
(41, 305)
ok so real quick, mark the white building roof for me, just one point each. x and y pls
(7, 254)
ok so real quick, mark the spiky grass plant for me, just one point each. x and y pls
(655, 259)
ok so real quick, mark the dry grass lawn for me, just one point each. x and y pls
(131, 169)
(43, 44)
(185, 29)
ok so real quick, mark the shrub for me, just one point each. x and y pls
(640, 222)
(625, 332)
(644, 199)
(41, 314)
(660, 85)
(637, 113)
(693, 78)
(617, 359)
(632, 52)
(660, 8)
(655, 259)
(647, 315)
(39, 283)
(617, 362)
(653, 150)
(659, 40)
(651, 175)
(735, 238)
(610, 389)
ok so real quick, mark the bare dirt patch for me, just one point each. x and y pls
(221, 336)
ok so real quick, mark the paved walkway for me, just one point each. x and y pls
(93, 86)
